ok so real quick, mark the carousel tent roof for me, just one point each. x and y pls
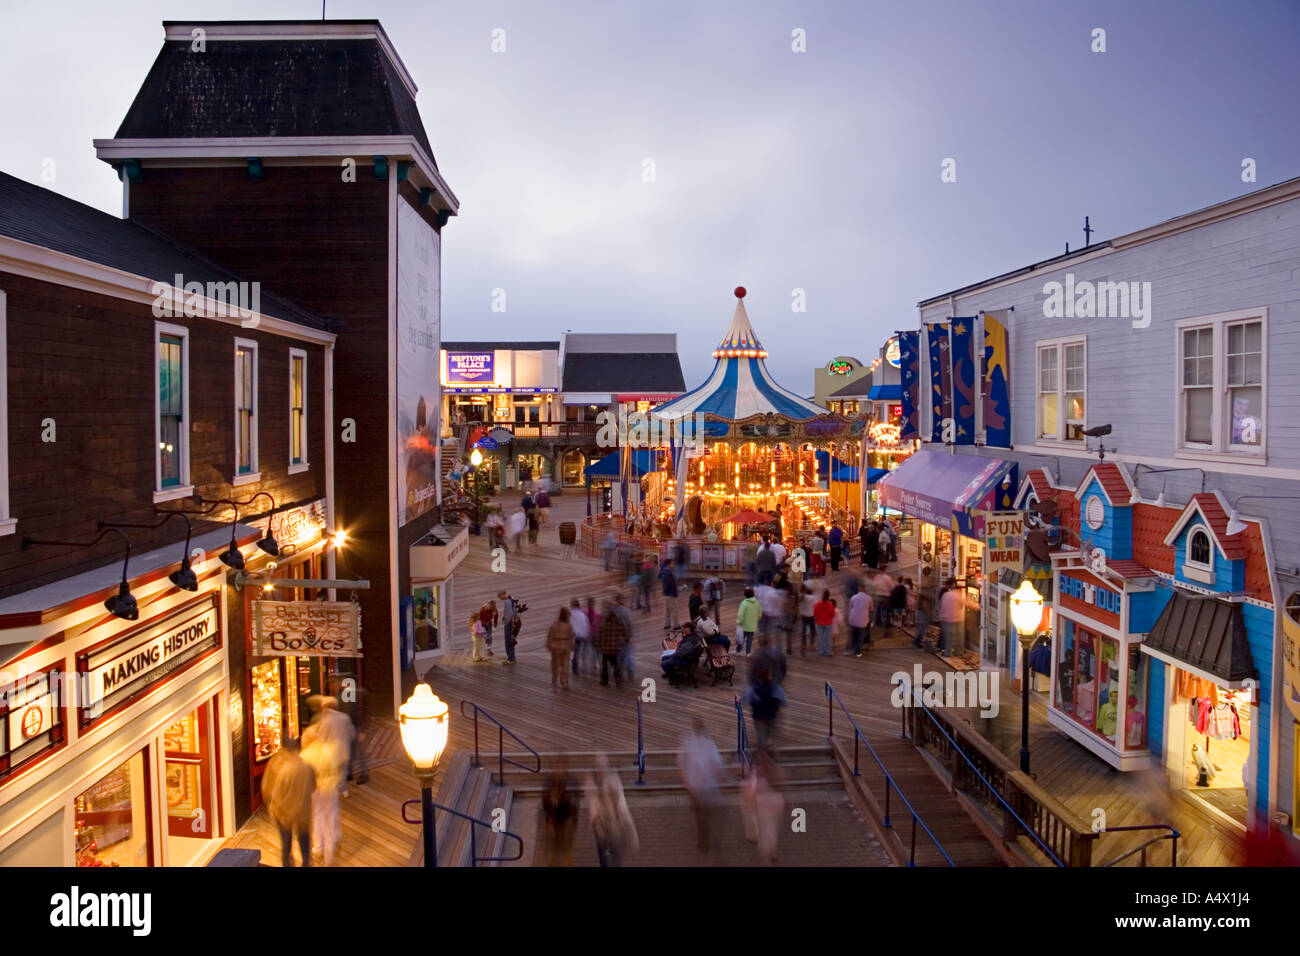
(740, 385)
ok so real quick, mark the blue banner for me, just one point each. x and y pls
(940, 380)
(909, 364)
(997, 400)
(963, 380)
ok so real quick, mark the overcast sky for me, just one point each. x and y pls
(773, 169)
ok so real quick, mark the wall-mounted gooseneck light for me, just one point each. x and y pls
(183, 577)
(122, 604)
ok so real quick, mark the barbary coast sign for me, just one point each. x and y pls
(306, 629)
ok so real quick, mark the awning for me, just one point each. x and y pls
(643, 461)
(886, 393)
(838, 470)
(945, 489)
(875, 474)
(1206, 635)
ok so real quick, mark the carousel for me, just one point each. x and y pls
(764, 460)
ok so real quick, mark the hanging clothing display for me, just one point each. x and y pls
(1189, 685)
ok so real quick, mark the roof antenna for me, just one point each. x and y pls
(1087, 232)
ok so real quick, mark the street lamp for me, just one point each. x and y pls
(423, 721)
(1026, 614)
(476, 458)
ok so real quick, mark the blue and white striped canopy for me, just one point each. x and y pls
(740, 384)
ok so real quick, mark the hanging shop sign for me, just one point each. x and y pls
(1004, 542)
(840, 367)
(436, 556)
(299, 527)
(487, 443)
(124, 667)
(470, 368)
(306, 629)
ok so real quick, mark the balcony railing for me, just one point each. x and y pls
(572, 431)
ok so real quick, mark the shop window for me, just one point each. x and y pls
(268, 713)
(1135, 711)
(31, 722)
(111, 819)
(187, 752)
(245, 409)
(297, 410)
(425, 616)
(1221, 377)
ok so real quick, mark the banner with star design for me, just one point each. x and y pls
(962, 355)
(940, 379)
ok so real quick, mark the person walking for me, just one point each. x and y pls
(864, 532)
(488, 617)
(611, 820)
(818, 546)
(808, 630)
(516, 524)
(627, 656)
(646, 580)
(608, 547)
(824, 615)
(924, 614)
(543, 502)
(559, 817)
(326, 744)
(859, 623)
(610, 639)
(476, 638)
(763, 806)
(288, 785)
(871, 546)
(892, 531)
(701, 769)
(714, 590)
(836, 540)
(668, 582)
(952, 620)
(510, 624)
(581, 635)
(593, 624)
(765, 699)
(559, 641)
(534, 526)
(882, 544)
(747, 616)
(765, 561)
(884, 586)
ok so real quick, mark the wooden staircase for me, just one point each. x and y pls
(472, 791)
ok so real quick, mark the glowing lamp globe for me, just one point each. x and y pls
(476, 458)
(1026, 609)
(424, 723)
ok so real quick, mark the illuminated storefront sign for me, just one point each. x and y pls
(883, 433)
(893, 354)
(470, 368)
(840, 367)
(306, 628)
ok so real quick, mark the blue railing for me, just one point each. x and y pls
(743, 754)
(640, 746)
(988, 785)
(891, 784)
(475, 823)
(502, 730)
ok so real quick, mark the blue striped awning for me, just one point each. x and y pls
(886, 393)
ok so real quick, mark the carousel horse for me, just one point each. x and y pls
(693, 517)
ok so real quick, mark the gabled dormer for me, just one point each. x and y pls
(1205, 555)
(1106, 497)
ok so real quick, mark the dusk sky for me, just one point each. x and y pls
(773, 169)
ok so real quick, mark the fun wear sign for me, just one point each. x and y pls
(306, 629)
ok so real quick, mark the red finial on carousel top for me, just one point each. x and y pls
(740, 292)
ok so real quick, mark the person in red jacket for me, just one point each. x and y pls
(824, 616)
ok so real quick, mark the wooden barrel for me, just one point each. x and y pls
(568, 532)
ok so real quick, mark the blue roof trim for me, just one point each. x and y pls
(885, 393)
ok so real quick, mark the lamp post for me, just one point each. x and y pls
(1026, 614)
(424, 721)
(475, 459)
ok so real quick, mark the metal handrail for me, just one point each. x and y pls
(640, 746)
(833, 695)
(1172, 836)
(1029, 831)
(502, 730)
(475, 859)
(743, 754)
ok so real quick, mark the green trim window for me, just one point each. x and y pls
(297, 408)
(171, 406)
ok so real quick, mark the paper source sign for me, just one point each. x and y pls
(306, 629)
(1004, 541)
(470, 368)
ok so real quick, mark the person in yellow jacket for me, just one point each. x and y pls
(747, 616)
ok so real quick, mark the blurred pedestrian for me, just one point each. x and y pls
(808, 628)
(489, 617)
(747, 616)
(824, 616)
(836, 541)
(695, 603)
(859, 623)
(581, 625)
(645, 580)
(668, 582)
(765, 699)
(713, 591)
(326, 744)
(701, 768)
(559, 641)
(510, 624)
(559, 816)
(288, 785)
(763, 806)
(608, 547)
(611, 820)
(476, 637)
(609, 642)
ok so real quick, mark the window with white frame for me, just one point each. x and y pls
(1198, 562)
(171, 426)
(297, 410)
(1221, 384)
(245, 408)
(7, 521)
(1062, 389)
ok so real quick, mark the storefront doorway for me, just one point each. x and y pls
(1210, 749)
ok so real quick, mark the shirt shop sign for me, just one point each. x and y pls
(1101, 598)
(127, 666)
(306, 629)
